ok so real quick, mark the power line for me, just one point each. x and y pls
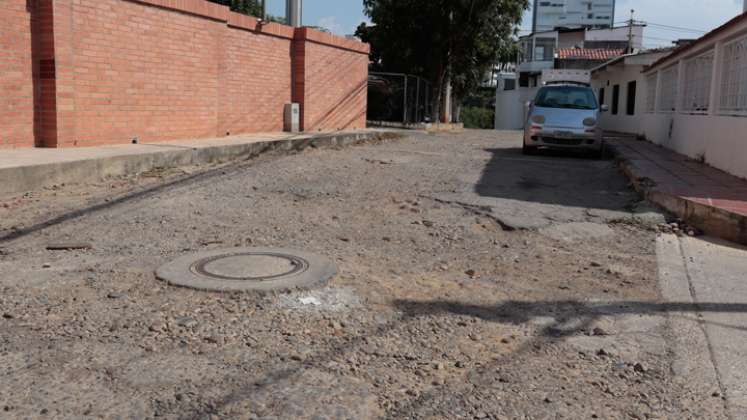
(662, 26)
(676, 28)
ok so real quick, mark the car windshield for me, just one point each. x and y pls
(572, 97)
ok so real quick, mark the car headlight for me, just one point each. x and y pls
(538, 119)
(590, 122)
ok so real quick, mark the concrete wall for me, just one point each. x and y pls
(16, 82)
(168, 69)
(510, 107)
(717, 140)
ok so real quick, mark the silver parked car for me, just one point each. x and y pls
(564, 116)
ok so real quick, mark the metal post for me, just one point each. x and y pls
(630, 32)
(417, 100)
(404, 120)
(294, 13)
(427, 109)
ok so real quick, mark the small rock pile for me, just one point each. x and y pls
(679, 228)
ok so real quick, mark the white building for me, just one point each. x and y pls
(552, 14)
(620, 84)
(695, 99)
(539, 51)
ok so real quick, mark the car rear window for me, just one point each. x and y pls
(571, 97)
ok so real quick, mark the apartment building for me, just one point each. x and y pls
(551, 14)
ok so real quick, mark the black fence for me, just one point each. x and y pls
(398, 98)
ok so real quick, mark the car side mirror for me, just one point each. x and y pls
(605, 108)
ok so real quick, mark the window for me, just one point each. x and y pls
(569, 97)
(697, 89)
(630, 104)
(651, 92)
(539, 53)
(615, 99)
(669, 81)
(601, 96)
(734, 77)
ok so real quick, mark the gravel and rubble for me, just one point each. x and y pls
(474, 283)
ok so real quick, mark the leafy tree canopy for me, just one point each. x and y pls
(440, 40)
(247, 7)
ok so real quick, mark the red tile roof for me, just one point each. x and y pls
(600, 54)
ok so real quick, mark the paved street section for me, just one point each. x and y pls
(473, 283)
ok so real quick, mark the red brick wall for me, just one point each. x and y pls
(16, 83)
(332, 81)
(141, 71)
(256, 78)
(112, 70)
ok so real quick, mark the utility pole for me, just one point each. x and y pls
(294, 13)
(630, 32)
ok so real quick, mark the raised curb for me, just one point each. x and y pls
(427, 127)
(711, 220)
(22, 179)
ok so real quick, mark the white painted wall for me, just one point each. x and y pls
(719, 139)
(621, 75)
(510, 107)
(617, 34)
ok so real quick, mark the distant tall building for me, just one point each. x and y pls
(551, 14)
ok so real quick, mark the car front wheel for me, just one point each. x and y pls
(528, 150)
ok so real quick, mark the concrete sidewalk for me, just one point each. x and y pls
(705, 197)
(24, 170)
(703, 280)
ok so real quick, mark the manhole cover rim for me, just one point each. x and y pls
(179, 272)
(199, 267)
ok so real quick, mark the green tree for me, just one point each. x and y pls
(247, 7)
(448, 42)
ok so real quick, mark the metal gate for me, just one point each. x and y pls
(398, 98)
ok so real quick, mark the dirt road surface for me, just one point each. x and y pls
(475, 283)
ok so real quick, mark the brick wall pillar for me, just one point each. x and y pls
(330, 80)
(64, 72)
(298, 73)
(53, 60)
(45, 92)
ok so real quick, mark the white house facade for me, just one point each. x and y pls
(696, 99)
(621, 85)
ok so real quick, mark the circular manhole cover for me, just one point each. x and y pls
(248, 269)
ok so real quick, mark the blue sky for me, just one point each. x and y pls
(339, 16)
(343, 16)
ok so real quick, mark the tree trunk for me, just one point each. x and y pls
(438, 94)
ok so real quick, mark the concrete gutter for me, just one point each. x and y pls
(712, 220)
(23, 170)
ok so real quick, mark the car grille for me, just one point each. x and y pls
(565, 142)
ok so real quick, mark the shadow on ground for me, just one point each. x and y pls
(572, 317)
(563, 178)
